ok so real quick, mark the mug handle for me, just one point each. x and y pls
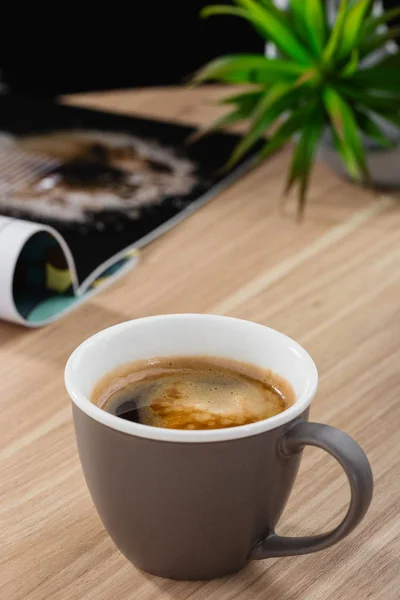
(357, 468)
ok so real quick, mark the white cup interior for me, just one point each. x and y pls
(190, 335)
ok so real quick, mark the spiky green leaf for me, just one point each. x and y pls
(286, 17)
(345, 126)
(352, 28)
(336, 34)
(303, 157)
(293, 123)
(246, 102)
(254, 21)
(315, 22)
(245, 66)
(379, 40)
(348, 157)
(350, 68)
(311, 77)
(277, 31)
(371, 129)
(373, 23)
(383, 76)
(274, 9)
(279, 98)
(232, 118)
(224, 9)
(295, 12)
(374, 100)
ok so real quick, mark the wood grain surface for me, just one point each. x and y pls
(332, 283)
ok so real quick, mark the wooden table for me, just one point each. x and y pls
(332, 283)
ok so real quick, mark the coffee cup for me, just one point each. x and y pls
(195, 505)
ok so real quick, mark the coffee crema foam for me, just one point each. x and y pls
(193, 393)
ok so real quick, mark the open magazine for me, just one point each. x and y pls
(81, 191)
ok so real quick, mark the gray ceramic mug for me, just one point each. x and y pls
(200, 504)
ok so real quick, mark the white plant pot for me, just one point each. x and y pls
(383, 163)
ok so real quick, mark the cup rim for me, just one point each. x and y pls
(82, 402)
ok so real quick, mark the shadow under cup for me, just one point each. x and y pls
(199, 504)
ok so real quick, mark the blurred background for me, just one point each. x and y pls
(154, 44)
(48, 53)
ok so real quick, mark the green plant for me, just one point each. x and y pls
(318, 80)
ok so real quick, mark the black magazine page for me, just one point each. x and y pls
(103, 181)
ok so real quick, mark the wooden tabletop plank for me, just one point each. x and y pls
(332, 282)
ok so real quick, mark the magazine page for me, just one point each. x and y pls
(104, 184)
(38, 281)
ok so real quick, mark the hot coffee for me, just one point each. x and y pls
(192, 393)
